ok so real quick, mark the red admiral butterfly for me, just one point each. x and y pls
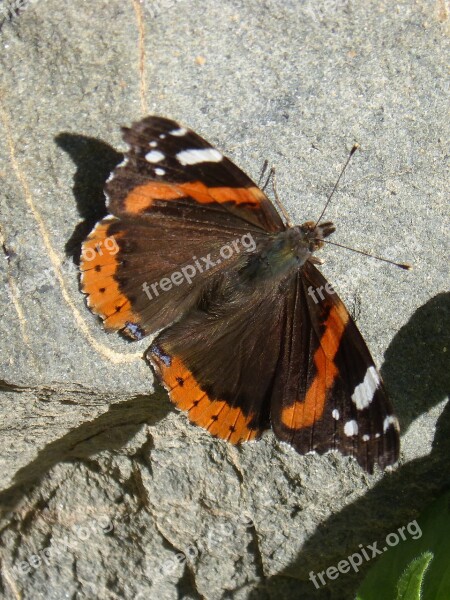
(251, 335)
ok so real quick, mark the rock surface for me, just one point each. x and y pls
(107, 491)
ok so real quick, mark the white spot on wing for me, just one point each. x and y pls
(179, 132)
(390, 420)
(123, 163)
(351, 428)
(162, 136)
(365, 391)
(153, 144)
(154, 156)
(365, 437)
(335, 414)
(159, 171)
(196, 156)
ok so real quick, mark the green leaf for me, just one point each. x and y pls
(410, 583)
(418, 567)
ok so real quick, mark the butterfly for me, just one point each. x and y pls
(249, 334)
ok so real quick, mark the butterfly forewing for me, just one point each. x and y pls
(175, 203)
(329, 394)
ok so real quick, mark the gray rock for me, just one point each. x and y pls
(107, 491)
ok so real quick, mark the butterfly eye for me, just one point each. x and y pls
(315, 245)
(308, 226)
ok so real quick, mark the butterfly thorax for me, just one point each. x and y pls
(288, 250)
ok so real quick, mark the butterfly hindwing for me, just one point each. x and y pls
(228, 346)
(144, 276)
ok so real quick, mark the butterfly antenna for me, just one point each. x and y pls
(392, 262)
(352, 152)
(263, 170)
(280, 205)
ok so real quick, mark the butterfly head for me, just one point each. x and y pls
(303, 240)
(288, 250)
(312, 234)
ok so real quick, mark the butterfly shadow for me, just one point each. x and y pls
(94, 160)
(417, 379)
(110, 431)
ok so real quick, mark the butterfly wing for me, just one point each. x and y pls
(250, 357)
(170, 170)
(328, 394)
(173, 201)
(219, 361)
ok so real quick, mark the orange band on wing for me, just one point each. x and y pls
(142, 197)
(304, 413)
(217, 416)
(98, 267)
